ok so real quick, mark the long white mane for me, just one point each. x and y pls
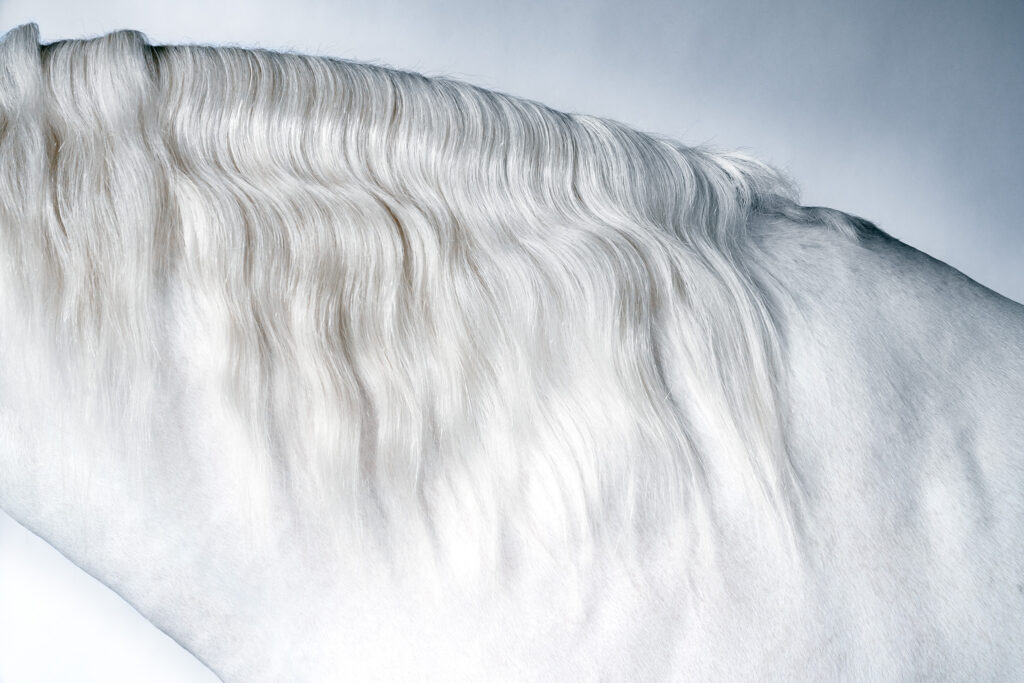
(417, 294)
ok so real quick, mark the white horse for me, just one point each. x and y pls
(342, 373)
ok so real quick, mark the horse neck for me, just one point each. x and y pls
(877, 336)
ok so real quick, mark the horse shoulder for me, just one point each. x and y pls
(902, 387)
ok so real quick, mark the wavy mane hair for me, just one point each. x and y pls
(420, 298)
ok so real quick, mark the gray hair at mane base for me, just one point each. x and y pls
(420, 297)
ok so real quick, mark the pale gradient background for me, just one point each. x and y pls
(907, 113)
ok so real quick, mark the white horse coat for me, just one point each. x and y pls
(341, 373)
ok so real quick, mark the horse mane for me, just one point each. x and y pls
(419, 297)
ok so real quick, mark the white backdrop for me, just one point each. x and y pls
(907, 114)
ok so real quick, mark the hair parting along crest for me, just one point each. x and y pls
(429, 298)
